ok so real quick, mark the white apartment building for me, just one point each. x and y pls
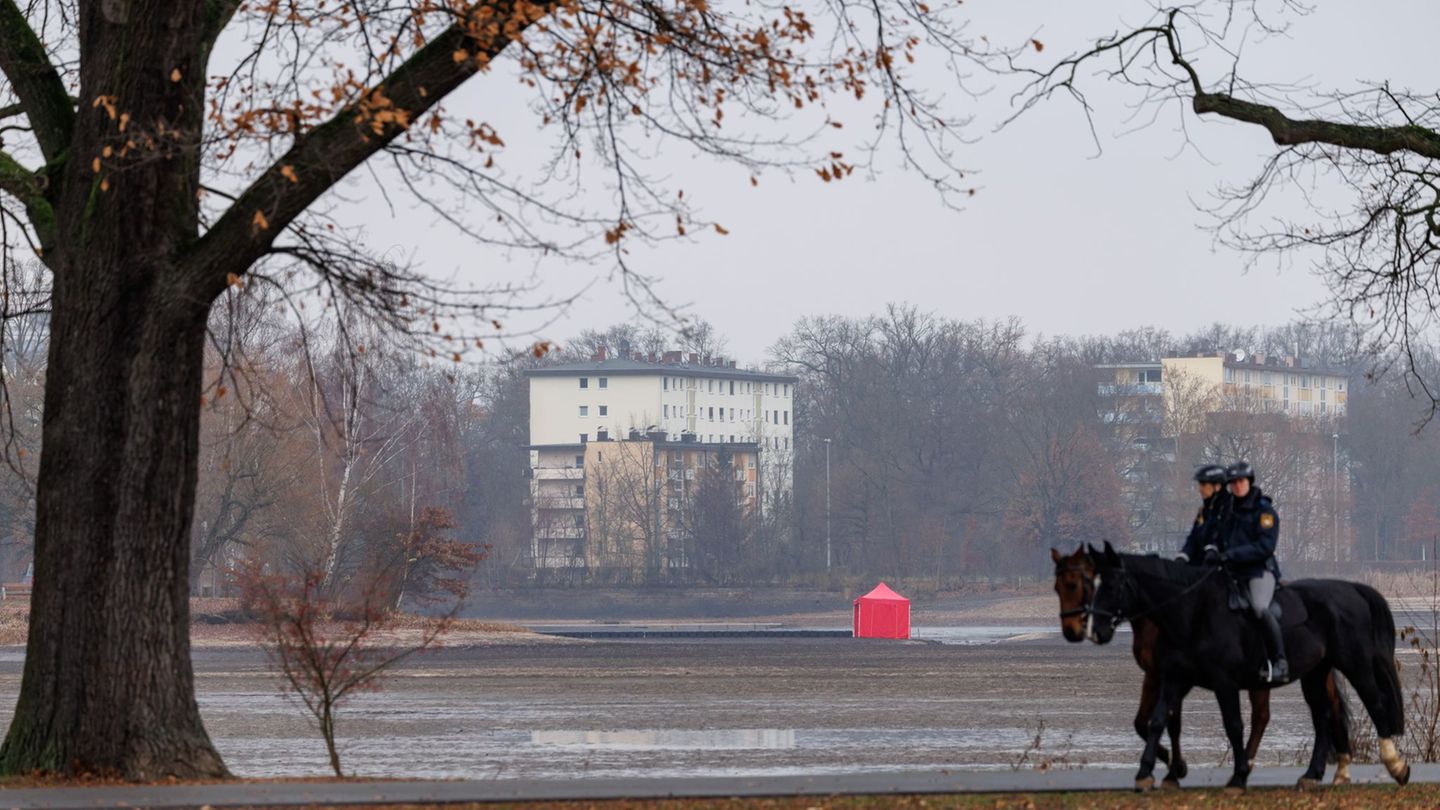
(672, 398)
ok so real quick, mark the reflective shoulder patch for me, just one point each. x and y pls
(1267, 521)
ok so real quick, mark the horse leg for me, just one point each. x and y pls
(1317, 697)
(1145, 777)
(1339, 729)
(1382, 699)
(1259, 721)
(1229, 700)
(1149, 693)
(1178, 769)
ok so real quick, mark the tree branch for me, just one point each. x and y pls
(1288, 131)
(321, 157)
(29, 188)
(38, 86)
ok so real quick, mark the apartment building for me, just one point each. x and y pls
(1155, 393)
(666, 421)
(1156, 412)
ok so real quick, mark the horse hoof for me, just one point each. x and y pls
(1307, 783)
(1341, 779)
(1404, 778)
(1170, 784)
(1142, 785)
(1178, 771)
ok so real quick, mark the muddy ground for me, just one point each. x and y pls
(732, 706)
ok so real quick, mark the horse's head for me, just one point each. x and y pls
(1113, 596)
(1075, 585)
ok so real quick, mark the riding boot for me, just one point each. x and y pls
(1277, 670)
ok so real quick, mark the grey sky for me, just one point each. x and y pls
(1070, 242)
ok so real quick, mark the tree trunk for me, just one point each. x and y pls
(108, 685)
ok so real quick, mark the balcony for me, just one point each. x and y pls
(560, 533)
(1131, 389)
(559, 473)
(546, 502)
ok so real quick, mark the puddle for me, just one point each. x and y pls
(670, 739)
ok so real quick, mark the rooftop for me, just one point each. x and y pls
(671, 363)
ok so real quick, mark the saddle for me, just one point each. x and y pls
(1286, 606)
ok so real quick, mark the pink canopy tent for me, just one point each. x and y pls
(882, 613)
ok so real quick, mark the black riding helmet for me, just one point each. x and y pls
(1238, 470)
(1210, 474)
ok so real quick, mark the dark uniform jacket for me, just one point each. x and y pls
(1206, 529)
(1249, 534)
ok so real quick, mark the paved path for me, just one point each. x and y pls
(283, 794)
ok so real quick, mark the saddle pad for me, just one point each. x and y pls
(1287, 605)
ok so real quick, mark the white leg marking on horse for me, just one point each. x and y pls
(1342, 769)
(1390, 755)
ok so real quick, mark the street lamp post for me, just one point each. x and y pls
(827, 504)
(1335, 498)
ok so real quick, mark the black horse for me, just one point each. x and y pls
(1329, 625)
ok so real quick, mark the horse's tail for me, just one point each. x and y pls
(1382, 623)
(1340, 730)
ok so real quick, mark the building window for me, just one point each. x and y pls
(579, 490)
(604, 410)
(667, 411)
(604, 382)
(580, 521)
(675, 456)
(665, 383)
(1323, 392)
(787, 417)
(584, 410)
(579, 461)
(732, 438)
(1339, 385)
(712, 414)
(584, 438)
(750, 462)
(732, 387)
(787, 442)
(787, 389)
(1230, 375)
(584, 382)
(1247, 378)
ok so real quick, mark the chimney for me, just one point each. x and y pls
(600, 354)
(1259, 359)
(732, 364)
(602, 435)
(672, 357)
(693, 359)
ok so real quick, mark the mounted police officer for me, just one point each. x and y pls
(1247, 539)
(1214, 506)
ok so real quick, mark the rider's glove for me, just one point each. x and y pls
(1213, 555)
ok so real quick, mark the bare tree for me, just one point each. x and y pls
(1375, 144)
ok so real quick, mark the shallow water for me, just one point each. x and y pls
(716, 707)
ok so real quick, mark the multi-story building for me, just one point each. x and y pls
(1161, 392)
(654, 423)
(1164, 416)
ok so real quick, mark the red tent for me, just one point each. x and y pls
(882, 613)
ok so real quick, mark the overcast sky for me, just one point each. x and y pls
(1069, 241)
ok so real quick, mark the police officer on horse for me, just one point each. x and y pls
(1214, 507)
(1245, 543)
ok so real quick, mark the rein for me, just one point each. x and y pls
(1183, 592)
(1090, 610)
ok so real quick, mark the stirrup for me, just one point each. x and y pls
(1277, 671)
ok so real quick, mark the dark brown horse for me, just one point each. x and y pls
(1074, 583)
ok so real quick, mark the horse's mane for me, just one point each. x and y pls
(1173, 571)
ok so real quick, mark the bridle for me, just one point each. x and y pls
(1089, 609)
